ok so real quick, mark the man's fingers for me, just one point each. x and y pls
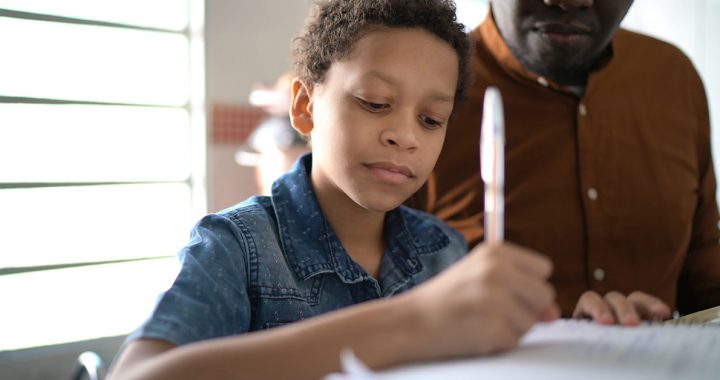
(592, 305)
(649, 307)
(623, 309)
(614, 307)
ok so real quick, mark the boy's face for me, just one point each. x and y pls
(378, 121)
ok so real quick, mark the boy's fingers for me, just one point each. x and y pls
(530, 261)
(550, 314)
(536, 294)
(517, 315)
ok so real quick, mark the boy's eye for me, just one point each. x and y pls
(373, 107)
(430, 122)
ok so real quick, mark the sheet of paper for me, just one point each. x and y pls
(707, 316)
(569, 349)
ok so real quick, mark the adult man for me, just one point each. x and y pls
(608, 162)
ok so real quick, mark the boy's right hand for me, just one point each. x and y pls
(484, 303)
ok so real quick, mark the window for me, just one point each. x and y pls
(102, 156)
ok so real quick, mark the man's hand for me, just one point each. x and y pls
(616, 308)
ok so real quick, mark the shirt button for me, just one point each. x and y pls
(592, 194)
(543, 82)
(582, 109)
(599, 274)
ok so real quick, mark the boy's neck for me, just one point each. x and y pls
(359, 230)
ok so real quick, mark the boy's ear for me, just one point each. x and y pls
(301, 107)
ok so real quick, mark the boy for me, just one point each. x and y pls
(377, 83)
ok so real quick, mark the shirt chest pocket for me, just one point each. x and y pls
(279, 304)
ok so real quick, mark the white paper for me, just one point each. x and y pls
(352, 367)
(569, 349)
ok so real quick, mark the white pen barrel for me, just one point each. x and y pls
(494, 215)
(492, 165)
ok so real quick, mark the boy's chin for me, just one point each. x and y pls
(381, 202)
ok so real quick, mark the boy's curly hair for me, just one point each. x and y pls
(335, 25)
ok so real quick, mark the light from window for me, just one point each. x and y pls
(90, 63)
(101, 162)
(67, 305)
(163, 14)
(78, 143)
(47, 226)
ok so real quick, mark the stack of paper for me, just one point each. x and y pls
(571, 349)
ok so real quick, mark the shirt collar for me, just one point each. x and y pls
(498, 48)
(312, 247)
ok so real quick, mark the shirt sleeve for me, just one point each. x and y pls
(209, 297)
(699, 286)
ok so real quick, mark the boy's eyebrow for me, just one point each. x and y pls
(436, 95)
(382, 76)
(440, 96)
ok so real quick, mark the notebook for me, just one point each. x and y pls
(576, 349)
(709, 316)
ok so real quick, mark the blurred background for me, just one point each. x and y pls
(124, 121)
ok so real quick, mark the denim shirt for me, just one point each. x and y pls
(269, 261)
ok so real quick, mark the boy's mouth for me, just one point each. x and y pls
(391, 172)
(395, 168)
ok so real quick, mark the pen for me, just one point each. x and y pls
(492, 164)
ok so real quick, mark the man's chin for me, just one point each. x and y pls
(560, 69)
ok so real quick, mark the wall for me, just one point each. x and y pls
(246, 42)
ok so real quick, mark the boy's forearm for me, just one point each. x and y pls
(381, 333)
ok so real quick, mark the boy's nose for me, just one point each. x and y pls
(400, 136)
(568, 5)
